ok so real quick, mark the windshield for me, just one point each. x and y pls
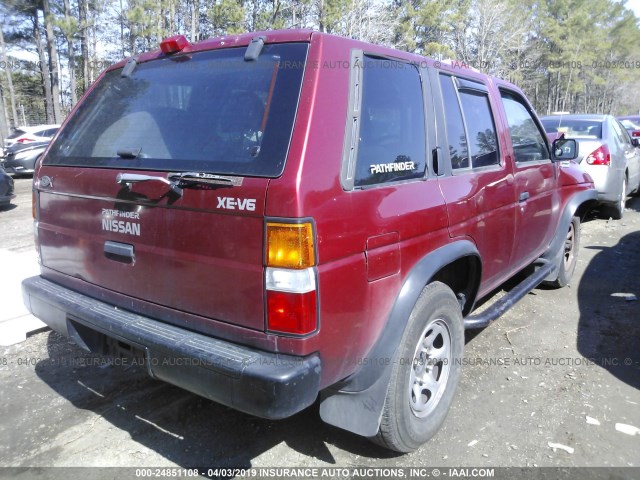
(207, 112)
(573, 128)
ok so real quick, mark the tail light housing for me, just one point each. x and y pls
(635, 134)
(290, 278)
(601, 156)
(35, 212)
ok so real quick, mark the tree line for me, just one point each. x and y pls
(567, 55)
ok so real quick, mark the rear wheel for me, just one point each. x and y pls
(569, 258)
(617, 210)
(426, 371)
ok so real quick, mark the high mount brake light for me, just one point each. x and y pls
(174, 44)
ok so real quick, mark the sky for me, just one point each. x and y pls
(635, 6)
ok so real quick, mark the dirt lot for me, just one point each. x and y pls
(563, 367)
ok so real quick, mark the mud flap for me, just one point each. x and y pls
(357, 412)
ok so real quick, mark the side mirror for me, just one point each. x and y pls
(565, 149)
(635, 142)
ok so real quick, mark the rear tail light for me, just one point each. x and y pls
(601, 156)
(290, 278)
(34, 207)
(23, 140)
(290, 245)
(35, 212)
(291, 301)
(635, 134)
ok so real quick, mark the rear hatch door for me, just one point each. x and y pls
(156, 187)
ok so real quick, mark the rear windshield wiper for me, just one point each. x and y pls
(178, 181)
(186, 179)
(128, 179)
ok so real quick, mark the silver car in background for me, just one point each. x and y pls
(606, 152)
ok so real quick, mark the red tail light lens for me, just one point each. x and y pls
(291, 301)
(635, 134)
(601, 156)
(23, 140)
(293, 313)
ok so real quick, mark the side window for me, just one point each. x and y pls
(483, 141)
(620, 133)
(456, 136)
(526, 138)
(391, 143)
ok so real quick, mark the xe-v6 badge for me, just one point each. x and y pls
(230, 203)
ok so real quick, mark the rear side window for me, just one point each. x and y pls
(456, 136)
(47, 133)
(621, 133)
(391, 143)
(481, 131)
(526, 138)
(206, 112)
(471, 131)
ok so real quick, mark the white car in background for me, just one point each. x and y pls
(606, 152)
(36, 133)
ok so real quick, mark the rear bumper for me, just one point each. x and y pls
(260, 383)
(19, 167)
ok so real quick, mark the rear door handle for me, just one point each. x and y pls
(121, 252)
(524, 196)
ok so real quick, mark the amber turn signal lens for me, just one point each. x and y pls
(290, 245)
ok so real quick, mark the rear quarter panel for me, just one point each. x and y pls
(353, 308)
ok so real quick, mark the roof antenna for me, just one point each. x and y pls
(254, 49)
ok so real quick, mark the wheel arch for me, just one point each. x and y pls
(577, 206)
(355, 404)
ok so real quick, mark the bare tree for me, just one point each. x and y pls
(52, 52)
(44, 69)
(7, 70)
(68, 30)
(83, 8)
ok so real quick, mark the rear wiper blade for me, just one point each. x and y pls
(185, 179)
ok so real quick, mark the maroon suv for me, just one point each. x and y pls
(276, 217)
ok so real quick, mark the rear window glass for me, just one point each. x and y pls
(207, 112)
(15, 134)
(573, 128)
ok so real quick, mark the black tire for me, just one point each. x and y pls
(616, 211)
(569, 257)
(409, 420)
